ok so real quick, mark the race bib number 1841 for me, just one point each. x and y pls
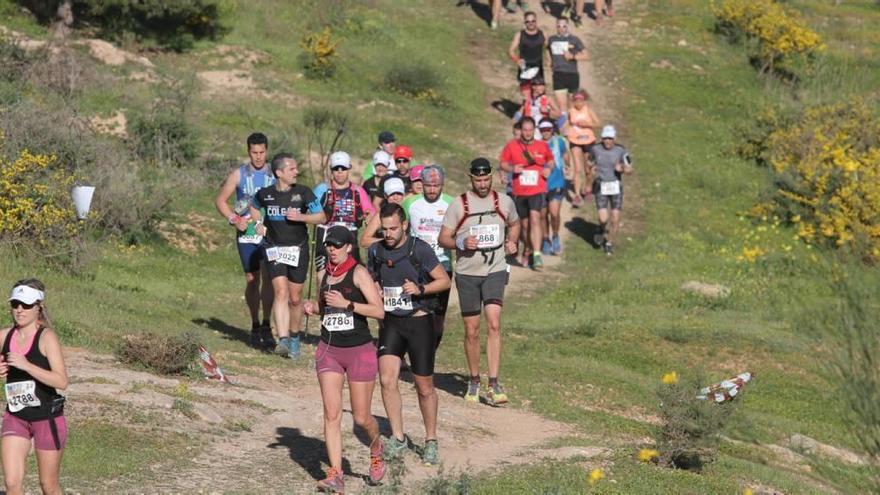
(394, 298)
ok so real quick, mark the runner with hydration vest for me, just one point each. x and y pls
(482, 226)
(409, 277)
(344, 203)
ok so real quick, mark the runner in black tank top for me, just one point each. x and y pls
(531, 50)
(358, 335)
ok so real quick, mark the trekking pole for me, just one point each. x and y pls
(324, 162)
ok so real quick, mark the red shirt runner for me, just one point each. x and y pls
(531, 181)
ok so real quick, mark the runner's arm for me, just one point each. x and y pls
(4, 367)
(512, 239)
(368, 236)
(513, 50)
(373, 308)
(440, 282)
(226, 191)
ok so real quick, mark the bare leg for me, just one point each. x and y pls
(280, 308)
(615, 226)
(577, 154)
(472, 343)
(266, 293)
(553, 208)
(427, 404)
(296, 307)
(361, 396)
(535, 233)
(15, 451)
(389, 373)
(49, 466)
(493, 338)
(252, 295)
(331, 395)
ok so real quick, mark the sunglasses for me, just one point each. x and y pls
(338, 169)
(533, 21)
(402, 160)
(19, 304)
(545, 129)
(334, 244)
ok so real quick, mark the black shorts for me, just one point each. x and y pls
(411, 335)
(566, 81)
(443, 300)
(296, 274)
(584, 147)
(525, 204)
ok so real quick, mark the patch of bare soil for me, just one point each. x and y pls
(115, 125)
(193, 235)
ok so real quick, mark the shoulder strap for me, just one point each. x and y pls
(464, 214)
(496, 202)
(413, 259)
(8, 340)
(356, 198)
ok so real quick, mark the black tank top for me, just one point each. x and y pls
(344, 338)
(531, 48)
(44, 393)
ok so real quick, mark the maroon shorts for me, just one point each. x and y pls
(40, 430)
(359, 362)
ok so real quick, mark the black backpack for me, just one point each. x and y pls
(430, 302)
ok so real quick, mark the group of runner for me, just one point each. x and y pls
(571, 9)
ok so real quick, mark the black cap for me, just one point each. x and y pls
(386, 137)
(338, 236)
(538, 80)
(481, 166)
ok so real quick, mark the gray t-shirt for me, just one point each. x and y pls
(606, 160)
(484, 222)
(558, 45)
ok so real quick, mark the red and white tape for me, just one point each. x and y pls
(726, 390)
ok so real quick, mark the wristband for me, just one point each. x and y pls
(233, 219)
(421, 290)
(459, 243)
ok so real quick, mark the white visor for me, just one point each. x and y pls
(25, 294)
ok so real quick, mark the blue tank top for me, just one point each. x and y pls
(250, 181)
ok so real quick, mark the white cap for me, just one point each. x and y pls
(26, 294)
(382, 157)
(609, 132)
(394, 185)
(340, 159)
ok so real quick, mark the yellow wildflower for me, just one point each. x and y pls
(595, 476)
(648, 455)
(670, 378)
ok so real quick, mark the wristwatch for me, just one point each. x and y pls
(350, 306)
(421, 290)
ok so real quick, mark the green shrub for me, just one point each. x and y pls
(170, 24)
(164, 136)
(165, 355)
(319, 56)
(416, 80)
(688, 436)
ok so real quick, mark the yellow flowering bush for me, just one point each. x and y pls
(826, 168)
(319, 53)
(778, 32)
(36, 210)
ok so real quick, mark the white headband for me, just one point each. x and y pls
(26, 294)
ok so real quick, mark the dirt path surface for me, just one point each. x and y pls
(264, 433)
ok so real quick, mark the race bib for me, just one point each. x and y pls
(611, 188)
(394, 298)
(558, 47)
(528, 178)
(338, 322)
(287, 255)
(432, 240)
(488, 236)
(21, 394)
(250, 239)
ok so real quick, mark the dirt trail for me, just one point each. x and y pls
(264, 434)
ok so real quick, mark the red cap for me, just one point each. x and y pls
(415, 173)
(403, 152)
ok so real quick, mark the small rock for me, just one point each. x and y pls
(803, 444)
(697, 68)
(809, 446)
(682, 43)
(663, 64)
(715, 291)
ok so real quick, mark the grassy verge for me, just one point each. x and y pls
(623, 322)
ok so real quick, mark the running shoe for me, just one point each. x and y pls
(293, 346)
(255, 340)
(556, 245)
(496, 395)
(609, 249)
(537, 262)
(266, 338)
(576, 19)
(431, 454)
(377, 464)
(333, 483)
(394, 448)
(281, 348)
(566, 11)
(494, 25)
(599, 238)
(546, 247)
(473, 392)
(523, 5)
(577, 201)
(609, 11)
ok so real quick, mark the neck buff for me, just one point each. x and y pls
(342, 268)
